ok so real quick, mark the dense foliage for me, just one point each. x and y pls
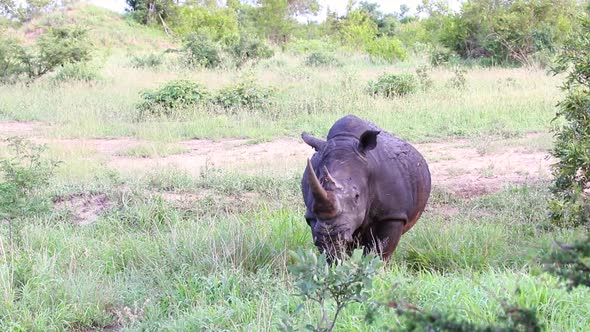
(57, 47)
(321, 59)
(571, 262)
(25, 10)
(571, 189)
(245, 95)
(392, 85)
(171, 97)
(24, 177)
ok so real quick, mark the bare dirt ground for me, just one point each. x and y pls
(84, 208)
(25, 129)
(458, 166)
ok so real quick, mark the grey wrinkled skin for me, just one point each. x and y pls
(370, 188)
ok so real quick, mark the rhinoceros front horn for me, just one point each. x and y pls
(323, 203)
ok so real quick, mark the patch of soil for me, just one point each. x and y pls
(12, 128)
(283, 155)
(33, 34)
(85, 208)
(462, 170)
(456, 166)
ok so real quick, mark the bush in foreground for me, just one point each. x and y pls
(570, 204)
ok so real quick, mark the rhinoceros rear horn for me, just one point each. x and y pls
(323, 203)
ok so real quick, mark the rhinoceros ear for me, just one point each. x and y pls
(315, 143)
(368, 141)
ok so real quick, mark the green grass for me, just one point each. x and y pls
(307, 100)
(220, 262)
(149, 150)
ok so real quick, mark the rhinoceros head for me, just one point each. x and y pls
(336, 191)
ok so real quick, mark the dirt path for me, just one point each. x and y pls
(26, 129)
(458, 166)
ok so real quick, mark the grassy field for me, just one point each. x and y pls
(165, 249)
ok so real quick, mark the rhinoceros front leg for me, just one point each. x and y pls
(384, 237)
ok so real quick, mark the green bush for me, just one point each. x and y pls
(24, 177)
(389, 85)
(570, 202)
(250, 49)
(171, 98)
(200, 50)
(246, 94)
(56, 48)
(388, 49)
(11, 67)
(321, 59)
(81, 72)
(331, 287)
(570, 262)
(151, 60)
(441, 57)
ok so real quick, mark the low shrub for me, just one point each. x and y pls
(390, 85)
(200, 50)
(441, 57)
(387, 49)
(424, 79)
(80, 72)
(250, 49)
(321, 59)
(246, 94)
(24, 178)
(330, 287)
(151, 60)
(171, 97)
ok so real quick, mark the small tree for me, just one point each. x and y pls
(56, 48)
(25, 10)
(152, 11)
(333, 286)
(570, 202)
